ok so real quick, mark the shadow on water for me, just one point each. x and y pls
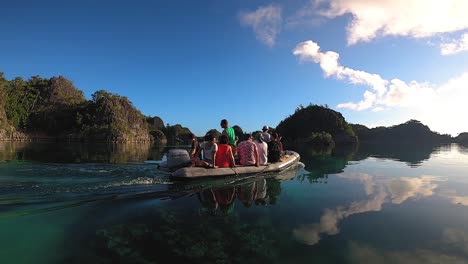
(321, 162)
(324, 161)
(412, 154)
(463, 148)
(76, 152)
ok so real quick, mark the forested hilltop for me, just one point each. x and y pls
(413, 132)
(54, 109)
(316, 125)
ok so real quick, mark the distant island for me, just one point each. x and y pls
(54, 109)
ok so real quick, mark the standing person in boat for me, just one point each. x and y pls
(224, 157)
(195, 146)
(266, 134)
(262, 148)
(209, 149)
(229, 132)
(247, 152)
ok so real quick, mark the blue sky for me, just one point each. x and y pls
(252, 62)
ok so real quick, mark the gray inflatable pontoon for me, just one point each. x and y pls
(289, 159)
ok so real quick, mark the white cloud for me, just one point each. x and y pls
(455, 46)
(439, 106)
(378, 109)
(310, 234)
(310, 51)
(366, 179)
(370, 20)
(367, 102)
(444, 112)
(414, 18)
(266, 22)
(307, 16)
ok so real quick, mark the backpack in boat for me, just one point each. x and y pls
(274, 151)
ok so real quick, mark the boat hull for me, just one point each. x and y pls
(290, 159)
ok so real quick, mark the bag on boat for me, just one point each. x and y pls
(178, 158)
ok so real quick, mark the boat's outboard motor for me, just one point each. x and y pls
(178, 158)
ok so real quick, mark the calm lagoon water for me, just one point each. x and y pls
(91, 203)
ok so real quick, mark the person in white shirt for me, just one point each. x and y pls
(266, 135)
(262, 149)
(209, 149)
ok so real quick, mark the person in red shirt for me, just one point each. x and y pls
(224, 156)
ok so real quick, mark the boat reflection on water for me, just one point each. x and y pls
(222, 200)
(258, 191)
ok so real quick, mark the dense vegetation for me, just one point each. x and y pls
(111, 117)
(3, 117)
(156, 129)
(313, 123)
(412, 131)
(53, 108)
(41, 108)
(462, 138)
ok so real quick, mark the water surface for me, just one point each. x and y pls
(81, 203)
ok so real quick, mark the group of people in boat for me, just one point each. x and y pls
(255, 150)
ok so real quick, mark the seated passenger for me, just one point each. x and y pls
(247, 152)
(274, 148)
(195, 146)
(278, 138)
(262, 149)
(209, 149)
(224, 157)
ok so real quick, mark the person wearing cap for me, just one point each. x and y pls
(266, 135)
(262, 148)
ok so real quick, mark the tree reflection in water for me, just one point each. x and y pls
(78, 152)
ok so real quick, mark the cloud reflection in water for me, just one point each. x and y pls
(379, 190)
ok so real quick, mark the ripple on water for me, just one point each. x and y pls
(32, 183)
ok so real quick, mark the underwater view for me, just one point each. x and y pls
(92, 203)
